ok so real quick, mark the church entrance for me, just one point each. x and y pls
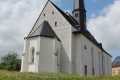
(85, 70)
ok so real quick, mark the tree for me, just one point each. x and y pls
(11, 62)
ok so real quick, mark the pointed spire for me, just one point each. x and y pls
(81, 4)
(79, 13)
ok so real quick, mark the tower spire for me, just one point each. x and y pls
(79, 13)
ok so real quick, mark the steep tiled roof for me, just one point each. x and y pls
(116, 62)
(43, 30)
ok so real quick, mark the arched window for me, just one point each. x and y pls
(32, 55)
(55, 23)
(52, 12)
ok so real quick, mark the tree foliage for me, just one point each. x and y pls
(10, 62)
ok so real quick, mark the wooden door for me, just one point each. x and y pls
(85, 70)
(93, 71)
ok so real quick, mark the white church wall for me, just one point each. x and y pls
(107, 66)
(57, 53)
(32, 44)
(76, 51)
(46, 57)
(63, 31)
(73, 54)
(110, 66)
(49, 50)
(27, 65)
(37, 55)
(65, 37)
(86, 56)
(24, 64)
(96, 51)
(83, 47)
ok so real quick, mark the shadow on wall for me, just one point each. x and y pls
(65, 62)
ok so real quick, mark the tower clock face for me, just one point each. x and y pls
(76, 4)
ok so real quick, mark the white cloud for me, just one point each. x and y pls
(17, 17)
(93, 15)
(106, 27)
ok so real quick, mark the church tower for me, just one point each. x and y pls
(79, 13)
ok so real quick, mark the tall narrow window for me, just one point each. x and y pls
(92, 60)
(44, 14)
(55, 23)
(52, 12)
(103, 64)
(108, 65)
(92, 57)
(58, 64)
(32, 55)
(99, 64)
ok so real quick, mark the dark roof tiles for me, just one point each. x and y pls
(116, 62)
(44, 30)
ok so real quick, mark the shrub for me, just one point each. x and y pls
(10, 62)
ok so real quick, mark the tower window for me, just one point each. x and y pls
(76, 15)
(55, 23)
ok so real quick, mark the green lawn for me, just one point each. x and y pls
(7, 75)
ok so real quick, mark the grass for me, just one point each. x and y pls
(8, 75)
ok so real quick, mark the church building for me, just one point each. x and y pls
(60, 43)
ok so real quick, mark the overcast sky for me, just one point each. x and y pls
(17, 17)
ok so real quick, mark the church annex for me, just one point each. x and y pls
(60, 43)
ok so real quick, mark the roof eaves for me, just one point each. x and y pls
(43, 36)
(93, 41)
